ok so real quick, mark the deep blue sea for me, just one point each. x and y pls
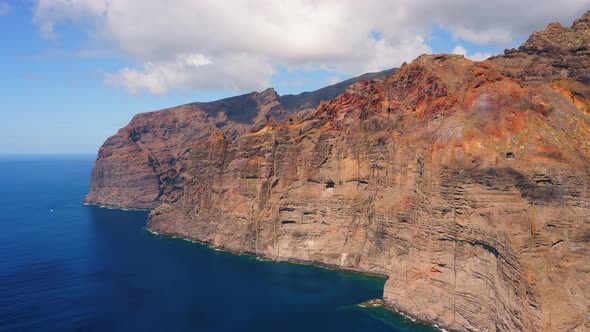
(69, 267)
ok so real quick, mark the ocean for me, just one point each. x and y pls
(65, 266)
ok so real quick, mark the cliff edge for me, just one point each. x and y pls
(139, 167)
(467, 183)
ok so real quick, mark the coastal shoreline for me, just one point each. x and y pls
(113, 207)
(331, 267)
(260, 257)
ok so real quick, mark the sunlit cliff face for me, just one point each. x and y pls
(464, 182)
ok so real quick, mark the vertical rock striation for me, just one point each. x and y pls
(466, 183)
(139, 167)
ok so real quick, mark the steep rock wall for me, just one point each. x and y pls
(466, 183)
(139, 166)
(466, 187)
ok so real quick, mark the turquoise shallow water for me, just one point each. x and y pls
(69, 267)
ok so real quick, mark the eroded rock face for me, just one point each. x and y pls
(555, 52)
(468, 184)
(468, 189)
(139, 167)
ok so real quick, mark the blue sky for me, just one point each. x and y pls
(73, 74)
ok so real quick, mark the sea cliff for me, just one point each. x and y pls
(467, 183)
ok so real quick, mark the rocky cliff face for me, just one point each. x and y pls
(139, 167)
(553, 53)
(466, 183)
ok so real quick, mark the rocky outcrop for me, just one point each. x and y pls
(139, 167)
(307, 100)
(553, 53)
(466, 183)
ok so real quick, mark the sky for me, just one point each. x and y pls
(75, 71)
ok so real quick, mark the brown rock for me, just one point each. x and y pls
(553, 53)
(466, 183)
(139, 167)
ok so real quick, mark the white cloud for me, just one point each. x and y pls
(49, 13)
(335, 34)
(475, 56)
(195, 72)
(4, 8)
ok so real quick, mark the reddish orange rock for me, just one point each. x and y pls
(466, 183)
